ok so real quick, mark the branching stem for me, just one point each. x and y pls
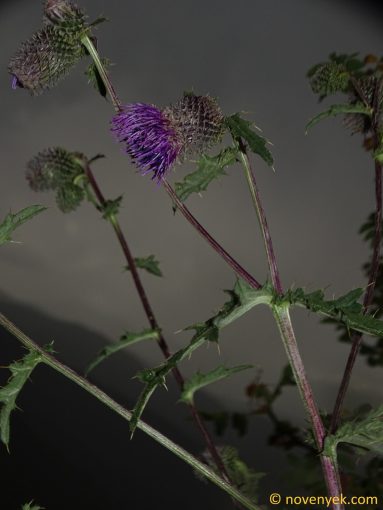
(213, 243)
(153, 321)
(51, 361)
(282, 317)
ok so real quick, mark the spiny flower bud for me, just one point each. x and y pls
(371, 88)
(65, 14)
(156, 139)
(52, 51)
(56, 169)
(329, 78)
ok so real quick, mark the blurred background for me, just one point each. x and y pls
(64, 280)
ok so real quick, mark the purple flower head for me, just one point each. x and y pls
(15, 82)
(156, 139)
(150, 139)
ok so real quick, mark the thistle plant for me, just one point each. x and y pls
(157, 139)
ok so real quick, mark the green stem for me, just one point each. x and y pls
(282, 317)
(87, 42)
(51, 361)
(329, 465)
(250, 177)
(100, 203)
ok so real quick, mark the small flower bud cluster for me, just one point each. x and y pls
(329, 78)
(57, 169)
(51, 52)
(156, 139)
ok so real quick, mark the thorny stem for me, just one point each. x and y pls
(153, 321)
(51, 361)
(213, 243)
(282, 317)
(330, 472)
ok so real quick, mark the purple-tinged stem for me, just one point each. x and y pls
(154, 324)
(367, 301)
(274, 272)
(282, 317)
(213, 243)
(329, 467)
(374, 270)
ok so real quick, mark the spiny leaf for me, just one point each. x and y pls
(243, 129)
(94, 77)
(365, 433)
(242, 299)
(141, 403)
(31, 506)
(209, 168)
(329, 78)
(199, 380)
(126, 340)
(13, 221)
(345, 309)
(21, 371)
(150, 264)
(337, 109)
(112, 208)
(242, 477)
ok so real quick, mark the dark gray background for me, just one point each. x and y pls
(65, 281)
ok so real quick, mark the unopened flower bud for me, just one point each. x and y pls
(51, 52)
(56, 169)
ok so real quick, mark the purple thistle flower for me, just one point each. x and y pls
(156, 139)
(150, 139)
(15, 83)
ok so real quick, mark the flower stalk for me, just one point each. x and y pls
(239, 270)
(367, 301)
(101, 203)
(375, 263)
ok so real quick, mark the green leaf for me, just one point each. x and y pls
(378, 154)
(13, 221)
(345, 309)
(31, 506)
(243, 129)
(112, 208)
(150, 264)
(20, 372)
(126, 340)
(242, 299)
(200, 380)
(337, 109)
(364, 433)
(242, 477)
(209, 168)
(94, 77)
